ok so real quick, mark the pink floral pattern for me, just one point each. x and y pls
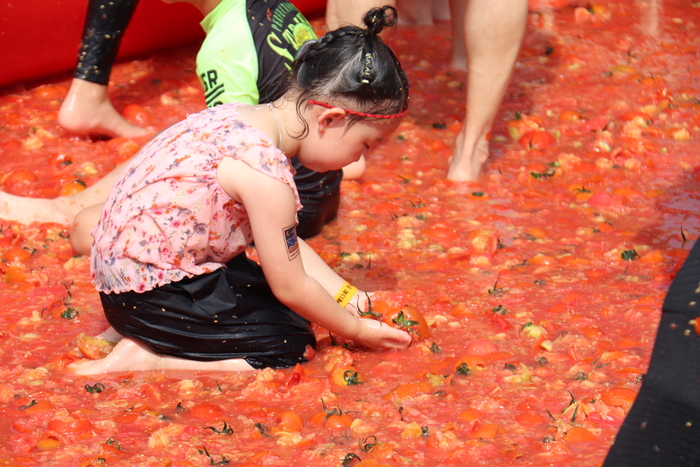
(167, 217)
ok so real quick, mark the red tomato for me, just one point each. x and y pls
(137, 114)
(536, 140)
(59, 160)
(207, 411)
(18, 181)
(408, 318)
(480, 347)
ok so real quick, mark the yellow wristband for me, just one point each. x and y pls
(345, 294)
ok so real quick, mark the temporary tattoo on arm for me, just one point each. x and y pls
(290, 238)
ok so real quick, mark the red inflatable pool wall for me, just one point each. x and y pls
(40, 38)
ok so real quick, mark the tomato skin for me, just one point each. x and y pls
(78, 426)
(579, 434)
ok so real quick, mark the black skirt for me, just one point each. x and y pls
(662, 428)
(228, 313)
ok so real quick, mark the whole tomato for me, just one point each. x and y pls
(409, 319)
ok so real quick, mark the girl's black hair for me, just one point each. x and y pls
(352, 67)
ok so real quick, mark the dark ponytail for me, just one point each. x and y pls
(352, 67)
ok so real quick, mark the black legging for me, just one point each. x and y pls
(663, 427)
(105, 23)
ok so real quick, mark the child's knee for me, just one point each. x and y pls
(80, 231)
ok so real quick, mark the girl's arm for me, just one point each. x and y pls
(285, 259)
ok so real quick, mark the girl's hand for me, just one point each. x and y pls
(360, 303)
(377, 335)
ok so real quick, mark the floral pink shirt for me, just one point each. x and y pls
(167, 218)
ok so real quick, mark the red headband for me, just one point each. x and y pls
(352, 112)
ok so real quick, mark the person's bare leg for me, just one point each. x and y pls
(132, 355)
(493, 33)
(459, 43)
(63, 209)
(415, 12)
(87, 110)
(345, 12)
(441, 10)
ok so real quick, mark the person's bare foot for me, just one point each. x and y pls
(467, 162)
(127, 355)
(87, 110)
(28, 210)
(132, 355)
(355, 170)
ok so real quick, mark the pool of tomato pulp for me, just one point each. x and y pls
(541, 283)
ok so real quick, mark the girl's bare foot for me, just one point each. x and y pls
(87, 110)
(132, 355)
(28, 210)
(467, 161)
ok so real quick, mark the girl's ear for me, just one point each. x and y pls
(330, 118)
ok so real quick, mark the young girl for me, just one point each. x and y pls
(168, 255)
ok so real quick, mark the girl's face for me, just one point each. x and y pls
(334, 145)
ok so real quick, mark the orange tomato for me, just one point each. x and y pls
(486, 431)
(288, 421)
(71, 188)
(332, 420)
(39, 407)
(16, 254)
(468, 415)
(346, 375)
(579, 434)
(619, 397)
(94, 347)
(48, 444)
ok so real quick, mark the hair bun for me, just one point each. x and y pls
(379, 18)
